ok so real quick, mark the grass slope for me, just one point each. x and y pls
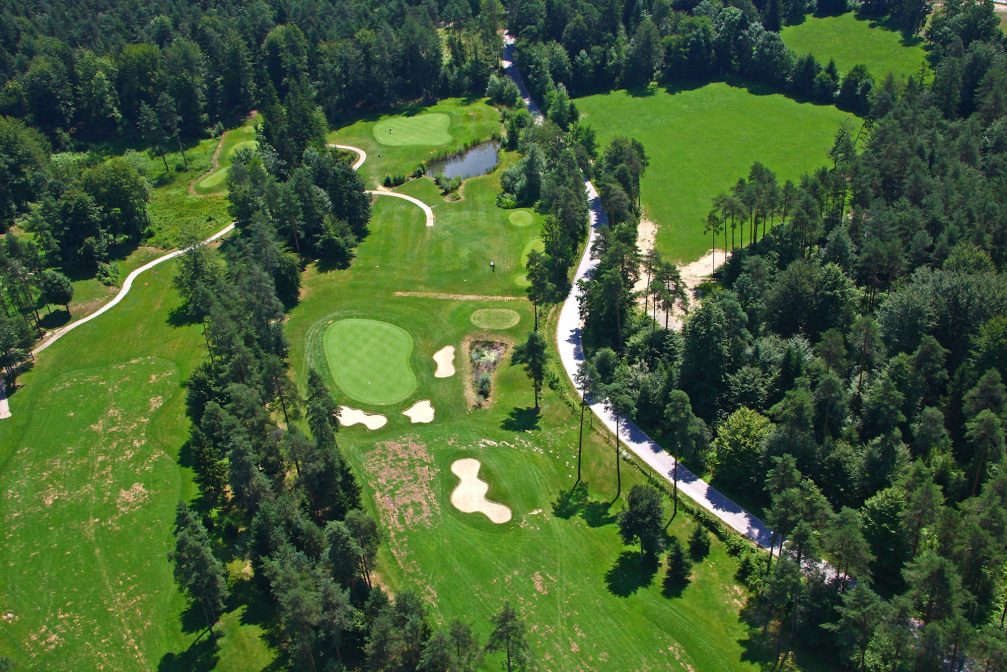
(701, 140)
(369, 360)
(854, 41)
(590, 603)
(89, 463)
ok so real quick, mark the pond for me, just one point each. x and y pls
(478, 160)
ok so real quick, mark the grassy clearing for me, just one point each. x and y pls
(855, 41)
(591, 603)
(469, 123)
(701, 140)
(242, 137)
(369, 360)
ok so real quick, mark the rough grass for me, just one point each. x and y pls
(369, 360)
(432, 129)
(589, 601)
(855, 41)
(242, 137)
(701, 139)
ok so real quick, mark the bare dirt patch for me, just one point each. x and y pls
(402, 474)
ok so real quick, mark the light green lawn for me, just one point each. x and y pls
(370, 360)
(854, 41)
(242, 137)
(701, 140)
(432, 129)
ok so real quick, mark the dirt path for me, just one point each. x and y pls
(459, 297)
(214, 165)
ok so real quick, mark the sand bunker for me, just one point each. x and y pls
(354, 416)
(421, 412)
(470, 495)
(445, 358)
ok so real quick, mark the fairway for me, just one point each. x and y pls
(701, 140)
(433, 128)
(370, 360)
(854, 41)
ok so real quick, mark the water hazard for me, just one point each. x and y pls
(478, 160)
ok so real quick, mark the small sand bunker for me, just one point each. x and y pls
(421, 412)
(445, 358)
(354, 416)
(470, 495)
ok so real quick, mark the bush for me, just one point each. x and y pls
(483, 386)
(506, 201)
(108, 274)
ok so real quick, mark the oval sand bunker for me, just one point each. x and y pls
(354, 416)
(470, 495)
(445, 358)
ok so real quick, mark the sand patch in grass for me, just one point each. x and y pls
(421, 412)
(354, 416)
(470, 494)
(445, 359)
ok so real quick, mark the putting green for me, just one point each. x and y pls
(520, 218)
(213, 180)
(430, 129)
(370, 361)
(495, 318)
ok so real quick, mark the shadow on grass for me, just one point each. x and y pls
(630, 573)
(201, 655)
(575, 501)
(675, 585)
(521, 419)
(56, 318)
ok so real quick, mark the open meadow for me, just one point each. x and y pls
(851, 40)
(700, 139)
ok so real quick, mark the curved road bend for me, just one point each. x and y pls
(571, 352)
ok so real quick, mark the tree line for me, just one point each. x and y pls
(847, 376)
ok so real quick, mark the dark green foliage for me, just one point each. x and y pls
(643, 521)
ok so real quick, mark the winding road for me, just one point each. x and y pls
(571, 352)
(127, 285)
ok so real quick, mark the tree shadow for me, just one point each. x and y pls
(756, 645)
(597, 513)
(630, 573)
(570, 502)
(202, 654)
(521, 419)
(181, 316)
(56, 318)
(675, 585)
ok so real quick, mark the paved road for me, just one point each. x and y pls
(571, 352)
(428, 213)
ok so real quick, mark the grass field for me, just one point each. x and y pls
(701, 140)
(432, 128)
(854, 41)
(592, 605)
(370, 361)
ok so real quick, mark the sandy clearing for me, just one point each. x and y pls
(421, 412)
(445, 359)
(354, 416)
(693, 274)
(470, 494)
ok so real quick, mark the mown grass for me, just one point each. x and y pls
(241, 137)
(852, 40)
(370, 360)
(468, 123)
(700, 139)
(591, 603)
